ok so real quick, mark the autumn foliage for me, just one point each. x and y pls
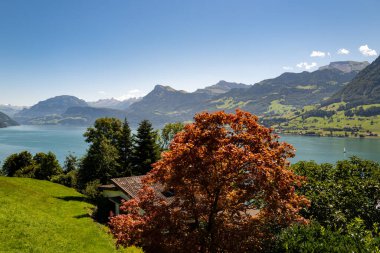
(232, 190)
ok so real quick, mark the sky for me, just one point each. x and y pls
(98, 49)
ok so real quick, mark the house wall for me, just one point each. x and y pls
(110, 194)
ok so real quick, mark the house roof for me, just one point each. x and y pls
(132, 185)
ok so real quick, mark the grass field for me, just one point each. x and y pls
(40, 216)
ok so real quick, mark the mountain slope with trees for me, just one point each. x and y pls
(353, 111)
(289, 90)
(52, 106)
(6, 121)
(363, 89)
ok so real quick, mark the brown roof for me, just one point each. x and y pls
(132, 185)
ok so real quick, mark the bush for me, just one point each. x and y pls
(68, 179)
(317, 238)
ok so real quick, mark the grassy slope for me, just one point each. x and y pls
(338, 120)
(40, 216)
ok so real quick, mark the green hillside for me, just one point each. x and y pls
(336, 119)
(6, 121)
(40, 216)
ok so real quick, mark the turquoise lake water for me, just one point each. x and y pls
(65, 140)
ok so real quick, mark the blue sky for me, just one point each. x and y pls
(120, 48)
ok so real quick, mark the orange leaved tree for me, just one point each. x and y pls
(232, 187)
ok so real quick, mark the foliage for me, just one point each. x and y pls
(168, 132)
(91, 190)
(100, 163)
(47, 166)
(41, 166)
(15, 162)
(341, 193)
(146, 150)
(109, 153)
(71, 163)
(125, 149)
(317, 238)
(232, 190)
(68, 179)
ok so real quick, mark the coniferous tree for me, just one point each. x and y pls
(125, 150)
(146, 150)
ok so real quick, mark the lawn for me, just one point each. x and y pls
(40, 216)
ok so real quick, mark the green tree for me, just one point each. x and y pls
(108, 128)
(341, 193)
(47, 166)
(70, 164)
(125, 149)
(16, 162)
(100, 163)
(146, 151)
(168, 132)
(317, 238)
(103, 156)
(70, 172)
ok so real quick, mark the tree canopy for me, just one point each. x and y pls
(232, 190)
(145, 149)
(109, 153)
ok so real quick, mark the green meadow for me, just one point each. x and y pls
(40, 216)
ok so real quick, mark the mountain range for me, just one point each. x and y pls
(338, 81)
(6, 121)
(363, 89)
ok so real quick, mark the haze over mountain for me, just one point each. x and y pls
(113, 103)
(11, 110)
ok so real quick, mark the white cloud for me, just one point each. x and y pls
(101, 92)
(307, 66)
(131, 94)
(343, 51)
(317, 54)
(365, 50)
(328, 54)
(287, 68)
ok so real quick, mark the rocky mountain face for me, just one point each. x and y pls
(6, 121)
(346, 66)
(363, 89)
(222, 87)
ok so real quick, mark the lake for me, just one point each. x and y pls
(64, 140)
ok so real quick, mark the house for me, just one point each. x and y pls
(126, 188)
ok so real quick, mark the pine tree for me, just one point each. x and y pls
(125, 150)
(146, 151)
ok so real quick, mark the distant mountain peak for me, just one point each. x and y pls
(222, 87)
(363, 89)
(346, 66)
